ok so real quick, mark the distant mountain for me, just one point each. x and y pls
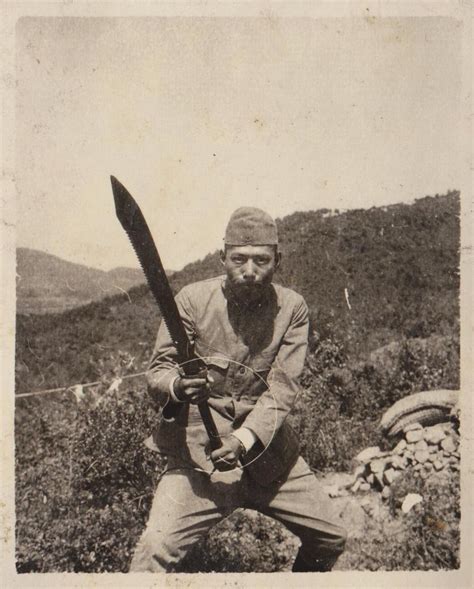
(369, 277)
(48, 284)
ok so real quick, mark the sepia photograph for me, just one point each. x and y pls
(237, 326)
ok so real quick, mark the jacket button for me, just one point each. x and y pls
(242, 370)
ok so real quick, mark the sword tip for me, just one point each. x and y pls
(125, 206)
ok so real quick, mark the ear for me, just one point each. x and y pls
(277, 260)
(222, 256)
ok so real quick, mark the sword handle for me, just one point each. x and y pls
(199, 370)
(209, 424)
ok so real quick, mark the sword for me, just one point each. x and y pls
(133, 221)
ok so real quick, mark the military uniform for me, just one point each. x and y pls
(255, 355)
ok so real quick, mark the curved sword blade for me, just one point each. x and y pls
(133, 221)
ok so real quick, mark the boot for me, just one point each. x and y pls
(318, 565)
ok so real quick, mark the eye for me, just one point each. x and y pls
(262, 260)
(238, 260)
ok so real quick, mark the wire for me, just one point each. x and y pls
(83, 385)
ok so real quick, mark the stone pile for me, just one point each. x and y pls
(425, 450)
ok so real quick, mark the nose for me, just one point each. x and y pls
(249, 271)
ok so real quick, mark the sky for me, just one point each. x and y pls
(198, 116)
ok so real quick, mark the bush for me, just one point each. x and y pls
(85, 481)
(427, 538)
(342, 402)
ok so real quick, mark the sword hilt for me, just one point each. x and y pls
(198, 369)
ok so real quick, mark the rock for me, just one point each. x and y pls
(412, 427)
(364, 487)
(410, 501)
(432, 449)
(448, 444)
(398, 462)
(359, 471)
(434, 434)
(422, 456)
(428, 466)
(457, 454)
(402, 444)
(371, 479)
(333, 491)
(341, 479)
(386, 492)
(453, 460)
(417, 467)
(388, 476)
(438, 465)
(409, 456)
(378, 465)
(421, 445)
(455, 466)
(369, 454)
(353, 517)
(415, 435)
(356, 485)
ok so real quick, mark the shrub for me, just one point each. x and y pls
(246, 541)
(85, 481)
(427, 538)
(84, 497)
(342, 402)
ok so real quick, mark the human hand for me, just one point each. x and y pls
(192, 389)
(227, 456)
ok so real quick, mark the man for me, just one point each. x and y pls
(253, 335)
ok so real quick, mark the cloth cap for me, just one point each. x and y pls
(251, 226)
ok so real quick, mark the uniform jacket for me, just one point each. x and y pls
(255, 355)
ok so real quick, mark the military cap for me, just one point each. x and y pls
(251, 226)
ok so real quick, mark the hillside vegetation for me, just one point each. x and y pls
(382, 286)
(399, 264)
(48, 284)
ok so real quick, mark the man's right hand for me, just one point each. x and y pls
(192, 389)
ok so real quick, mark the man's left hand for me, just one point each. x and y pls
(227, 456)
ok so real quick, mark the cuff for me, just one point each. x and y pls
(171, 389)
(246, 436)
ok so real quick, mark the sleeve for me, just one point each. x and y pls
(275, 404)
(163, 366)
(246, 436)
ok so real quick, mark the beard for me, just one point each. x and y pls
(248, 294)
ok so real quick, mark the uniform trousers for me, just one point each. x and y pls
(189, 502)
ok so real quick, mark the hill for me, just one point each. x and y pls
(48, 284)
(369, 277)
